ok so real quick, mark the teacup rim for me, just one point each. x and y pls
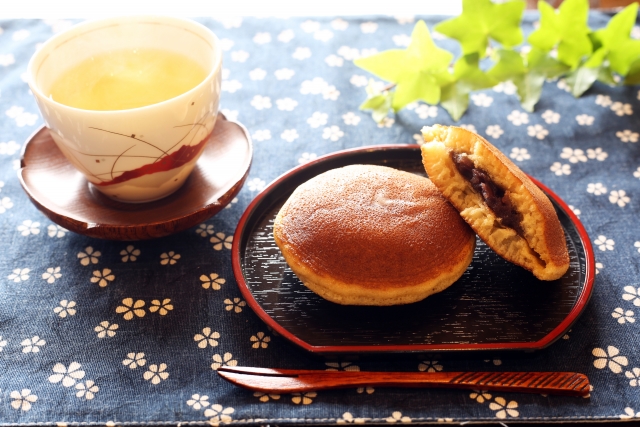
(104, 22)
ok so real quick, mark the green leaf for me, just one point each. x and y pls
(455, 100)
(527, 73)
(378, 102)
(529, 89)
(468, 77)
(565, 28)
(482, 20)
(615, 38)
(581, 79)
(417, 71)
(633, 76)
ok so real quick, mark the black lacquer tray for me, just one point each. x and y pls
(495, 305)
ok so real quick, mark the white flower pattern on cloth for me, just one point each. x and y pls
(220, 241)
(261, 135)
(256, 184)
(260, 340)
(156, 373)
(87, 390)
(634, 377)
(603, 100)
(289, 135)
(130, 253)
(537, 131)
(134, 360)
(619, 197)
(106, 329)
(162, 307)
(303, 398)
(632, 294)
(481, 99)
(129, 308)
(3, 343)
(508, 88)
(317, 119)
(623, 316)
(213, 281)
(301, 53)
(469, 127)
(503, 408)
(397, 416)
(332, 133)
(425, 111)
(585, 119)
(351, 119)
(224, 360)
(286, 36)
(480, 396)
(234, 305)
(494, 131)
(21, 117)
(66, 308)
(262, 38)
(102, 278)
(198, 402)
(622, 109)
(519, 154)
(550, 117)
(629, 413)
(560, 169)
(596, 189)
(257, 74)
(89, 256)
(56, 231)
(518, 118)
(261, 102)
(11, 147)
(32, 345)
(5, 203)
(609, 358)
(573, 155)
(29, 227)
(169, 258)
(604, 244)
(430, 366)
(19, 275)
(52, 274)
(627, 135)
(66, 376)
(597, 154)
(307, 157)
(208, 337)
(217, 414)
(239, 56)
(286, 104)
(284, 73)
(23, 399)
(265, 397)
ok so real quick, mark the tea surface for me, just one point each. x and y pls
(125, 79)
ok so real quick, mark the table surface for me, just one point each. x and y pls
(74, 351)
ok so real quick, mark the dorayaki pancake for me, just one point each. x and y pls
(373, 235)
(502, 205)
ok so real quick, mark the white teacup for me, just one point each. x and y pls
(139, 154)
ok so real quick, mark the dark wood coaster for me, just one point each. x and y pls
(495, 305)
(63, 194)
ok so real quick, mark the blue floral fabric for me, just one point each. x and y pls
(105, 332)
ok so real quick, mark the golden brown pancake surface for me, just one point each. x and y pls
(367, 234)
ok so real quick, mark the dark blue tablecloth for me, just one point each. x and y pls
(95, 332)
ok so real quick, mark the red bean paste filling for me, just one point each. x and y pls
(496, 197)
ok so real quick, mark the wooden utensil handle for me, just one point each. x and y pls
(290, 381)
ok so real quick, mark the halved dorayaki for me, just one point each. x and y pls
(502, 205)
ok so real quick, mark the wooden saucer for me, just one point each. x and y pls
(63, 194)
